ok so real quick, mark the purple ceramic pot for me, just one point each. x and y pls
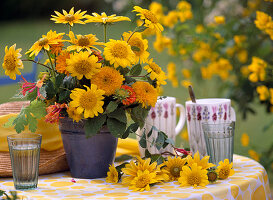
(87, 157)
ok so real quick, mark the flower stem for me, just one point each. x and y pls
(37, 63)
(105, 37)
(135, 31)
(69, 28)
(51, 63)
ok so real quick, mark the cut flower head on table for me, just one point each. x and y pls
(113, 82)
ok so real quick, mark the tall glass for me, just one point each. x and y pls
(219, 139)
(24, 151)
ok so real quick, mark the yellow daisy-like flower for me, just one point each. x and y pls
(61, 62)
(132, 169)
(12, 61)
(112, 175)
(156, 72)
(224, 169)
(83, 42)
(119, 53)
(82, 64)
(143, 180)
(88, 101)
(204, 162)
(174, 166)
(194, 176)
(146, 94)
(71, 18)
(51, 38)
(104, 19)
(149, 18)
(245, 139)
(108, 79)
(136, 40)
(72, 113)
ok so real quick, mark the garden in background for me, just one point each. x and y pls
(223, 48)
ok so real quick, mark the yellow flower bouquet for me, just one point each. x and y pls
(111, 83)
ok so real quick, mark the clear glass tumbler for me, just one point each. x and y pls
(24, 151)
(219, 139)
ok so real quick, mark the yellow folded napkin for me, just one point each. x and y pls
(52, 139)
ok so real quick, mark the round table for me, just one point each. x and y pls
(250, 181)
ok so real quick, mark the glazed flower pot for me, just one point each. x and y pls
(87, 157)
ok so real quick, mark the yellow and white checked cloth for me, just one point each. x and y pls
(250, 182)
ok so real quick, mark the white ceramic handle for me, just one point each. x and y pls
(182, 118)
(233, 115)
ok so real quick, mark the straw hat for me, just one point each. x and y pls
(50, 161)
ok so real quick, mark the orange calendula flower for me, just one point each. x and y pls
(51, 38)
(103, 18)
(70, 18)
(61, 62)
(53, 112)
(146, 94)
(83, 42)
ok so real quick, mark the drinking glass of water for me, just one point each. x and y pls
(219, 139)
(24, 151)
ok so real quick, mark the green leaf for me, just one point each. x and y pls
(111, 107)
(136, 70)
(116, 127)
(10, 122)
(59, 81)
(92, 126)
(142, 141)
(50, 91)
(123, 158)
(31, 96)
(20, 122)
(32, 123)
(37, 108)
(157, 158)
(135, 48)
(147, 153)
(170, 141)
(150, 133)
(131, 129)
(129, 79)
(139, 115)
(141, 28)
(64, 96)
(118, 114)
(159, 141)
(2, 192)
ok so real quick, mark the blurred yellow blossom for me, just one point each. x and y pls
(219, 19)
(254, 155)
(242, 56)
(171, 19)
(184, 135)
(184, 11)
(157, 9)
(244, 71)
(206, 72)
(186, 83)
(199, 28)
(186, 73)
(245, 139)
(239, 39)
(263, 92)
(257, 69)
(171, 69)
(219, 38)
(161, 42)
(182, 51)
(262, 20)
